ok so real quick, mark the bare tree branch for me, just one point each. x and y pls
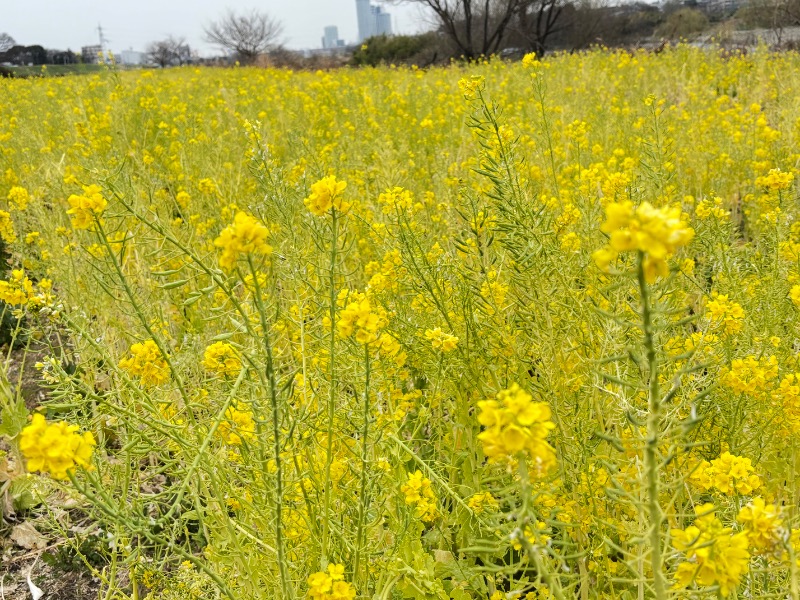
(169, 52)
(246, 35)
(481, 27)
(6, 42)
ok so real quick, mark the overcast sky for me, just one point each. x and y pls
(63, 24)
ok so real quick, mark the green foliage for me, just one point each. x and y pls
(392, 49)
(682, 23)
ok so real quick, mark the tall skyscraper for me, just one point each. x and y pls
(372, 20)
(364, 11)
(383, 21)
(331, 37)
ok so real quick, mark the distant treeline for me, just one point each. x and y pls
(37, 55)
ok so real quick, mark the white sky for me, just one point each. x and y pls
(63, 24)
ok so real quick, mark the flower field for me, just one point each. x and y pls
(508, 330)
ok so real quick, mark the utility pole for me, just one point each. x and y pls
(103, 41)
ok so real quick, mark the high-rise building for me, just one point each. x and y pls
(364, 12)
(383, 22)
(331, 37)
(372, 20)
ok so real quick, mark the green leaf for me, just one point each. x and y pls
(13, 418)
(174, 284)
(21, 495)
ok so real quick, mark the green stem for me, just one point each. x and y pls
(651, 461)
(286, 586)
(362, 504)
(326, 516)
(526, 516)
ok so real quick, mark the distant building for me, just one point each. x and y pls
(132, 57)
(372, 20)
(331, 38)
(92, 55)
(383, 21)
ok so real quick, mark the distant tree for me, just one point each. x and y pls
(61, 57)
(536, 22)
(417, 49)
(589, 22)
(483, 27)
(775, 15)
(682, 23)
(6, 42)
(246, 35)
(25, 55)
(168, 52)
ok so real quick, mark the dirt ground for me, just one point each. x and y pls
(24, 537)
(55, 583)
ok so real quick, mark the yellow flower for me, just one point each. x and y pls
(529, 60)
(238, 426)
(441, 340)
(482, 502)
(207, 186)
(330, 585)
(470, 87)
(396, 199)
(86, 208)
(222, 358)
(419, 493)
(762, 523)
(775, 180)
(360, 317)
(655, 232)
(750, 375)
(7, 232)
(794, 294)
(714, 554)
(147, 363)
(245, 236)
(725, 314)
(729, 474)
(18, 197)
(55, 448)
(326, 194)
(515, 424)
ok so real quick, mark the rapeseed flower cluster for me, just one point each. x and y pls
(7, 232)
(20, 291)
(238, 426)
(330, 585)
(55, 448)
(327, 193)
(714, 554)
(787, 396)
(86, 208)
(222, 358)
(516, 426)
(441, 340)
(776, 180)
(246, 235)
(359, 316)
(750, 375)
(419, 494)
(655, 232)
(725, 314)
(396, 199)
(763, 525)
(483, 502)
(147, 363)
(728, 474)
(18, 197)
